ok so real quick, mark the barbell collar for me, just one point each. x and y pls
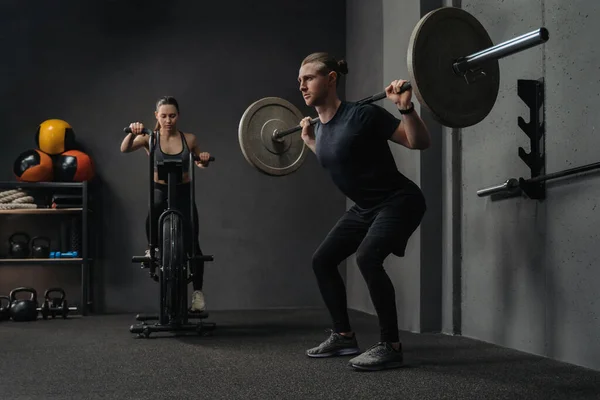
(276, 137)
(504, 49)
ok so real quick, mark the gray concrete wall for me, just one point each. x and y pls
(364, 53)
(571, 73)
(518, 272)
(377, 41)
(529, 267)
(102, 64)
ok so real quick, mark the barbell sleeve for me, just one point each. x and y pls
(379, 96)
(504, 49)
(506, 186)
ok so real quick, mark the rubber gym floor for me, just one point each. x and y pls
(260, 355)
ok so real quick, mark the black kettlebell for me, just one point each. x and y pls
(52, 306)
(40, 250)
(18, 248)
(25, 309)
(4, 311)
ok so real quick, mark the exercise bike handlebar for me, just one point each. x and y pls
(196, 158)
(147, 131)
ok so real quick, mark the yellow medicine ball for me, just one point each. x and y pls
(55, 136)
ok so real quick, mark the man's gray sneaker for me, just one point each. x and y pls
(335, 345)
(378, 357)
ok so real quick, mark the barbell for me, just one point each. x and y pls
(453, 72)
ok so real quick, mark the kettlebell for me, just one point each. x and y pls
(4, 311)
(25, 309)
(18, 248)
(40, 250)
(52, 306)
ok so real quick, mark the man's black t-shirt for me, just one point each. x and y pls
(353, 147)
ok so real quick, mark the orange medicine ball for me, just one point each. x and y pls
(73, 166)
(55, 136)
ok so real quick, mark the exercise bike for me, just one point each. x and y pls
(169, 256)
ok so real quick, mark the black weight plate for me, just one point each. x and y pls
(440, 38)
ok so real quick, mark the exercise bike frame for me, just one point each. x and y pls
(173, 311)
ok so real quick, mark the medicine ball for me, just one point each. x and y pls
(33, 166)
(73, 166)
(55, 136)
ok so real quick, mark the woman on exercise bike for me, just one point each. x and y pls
(172, 144)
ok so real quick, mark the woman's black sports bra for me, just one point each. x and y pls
(183, 155)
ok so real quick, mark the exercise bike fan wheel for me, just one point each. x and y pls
(174, 272)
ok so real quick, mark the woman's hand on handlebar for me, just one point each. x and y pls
(136, 128)
(203, 159)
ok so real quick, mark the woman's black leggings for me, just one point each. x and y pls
(182, 204)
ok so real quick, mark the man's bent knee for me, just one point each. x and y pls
(371, 255)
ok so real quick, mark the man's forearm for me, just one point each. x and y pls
(416, 131)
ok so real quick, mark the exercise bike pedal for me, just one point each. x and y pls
(146, 317)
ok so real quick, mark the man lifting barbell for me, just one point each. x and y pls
(350, 140)
(455, 77)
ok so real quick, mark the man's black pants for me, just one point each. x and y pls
(372, 236)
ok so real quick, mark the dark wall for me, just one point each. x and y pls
(101, 64)
(378, 34)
